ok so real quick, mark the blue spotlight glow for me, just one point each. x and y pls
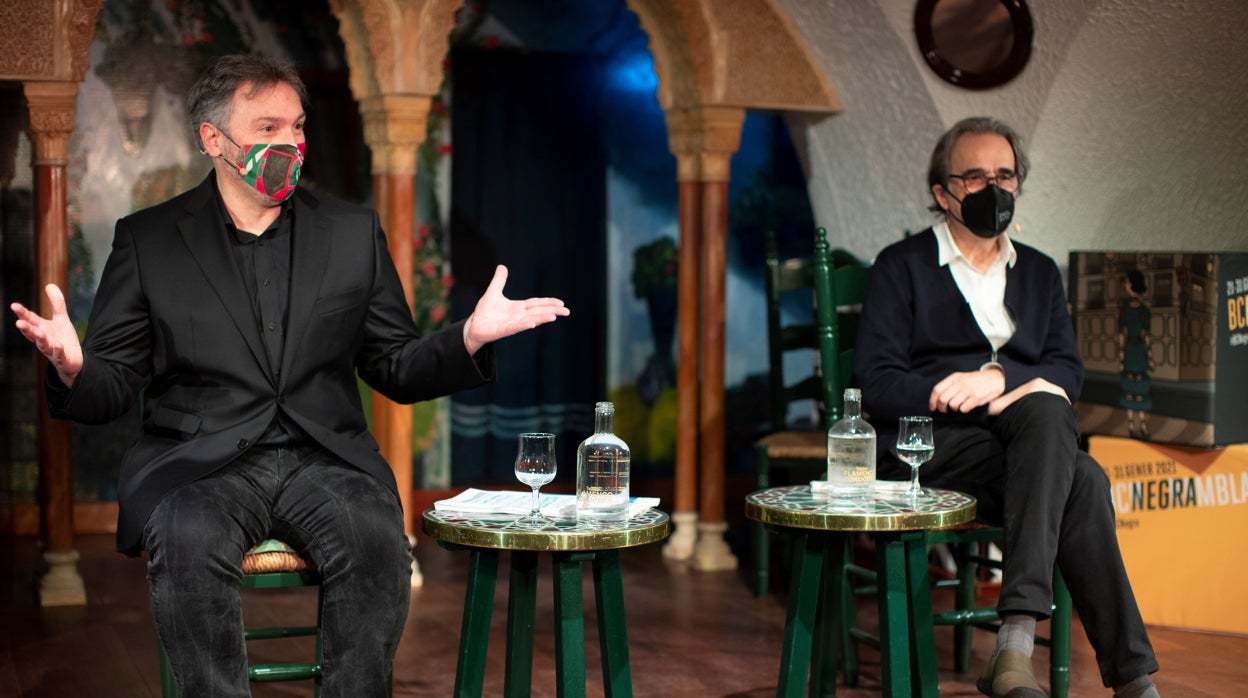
(633, 72)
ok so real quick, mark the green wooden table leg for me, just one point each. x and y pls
(800, 617)
(922, 635)
(1059, 638)
(521, 605)
(474, 635)
(894, 611)
(617, 676)
(826, 652)
(850, 635)
(569, 625)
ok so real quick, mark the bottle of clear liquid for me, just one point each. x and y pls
(851, 450)
(602, 468)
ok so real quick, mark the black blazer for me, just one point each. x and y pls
(173, 318)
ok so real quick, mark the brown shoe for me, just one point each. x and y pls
(1009, 675)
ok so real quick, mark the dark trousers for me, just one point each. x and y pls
(1053, 501)
(344, 519)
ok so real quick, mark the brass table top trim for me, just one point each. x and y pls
(886, 509)
(503, 532)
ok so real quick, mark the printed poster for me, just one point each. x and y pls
(1182, 515)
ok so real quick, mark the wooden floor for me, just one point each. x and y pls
(692, 635)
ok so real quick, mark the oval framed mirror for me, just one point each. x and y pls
(974, 44)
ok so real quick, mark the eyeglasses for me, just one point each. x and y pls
(974, 180)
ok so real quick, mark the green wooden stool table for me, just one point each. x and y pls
(571, 544)
(821, 525)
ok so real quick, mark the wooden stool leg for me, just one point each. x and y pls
(799, 620)
(964, 600)
(168, 689)
(762, 545)
(474, 634)
(320, 648)
(894, 612)
(570, 626)
(521, 605)
(922, 633)
(1059, 638)
(617, 678)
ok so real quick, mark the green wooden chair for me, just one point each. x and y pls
(272, 565)
(833, 310)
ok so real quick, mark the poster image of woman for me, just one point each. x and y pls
(1135, 354)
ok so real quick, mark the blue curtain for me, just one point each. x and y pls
(528, 190)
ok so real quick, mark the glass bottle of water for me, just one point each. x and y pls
(851, 450)
(602, 469)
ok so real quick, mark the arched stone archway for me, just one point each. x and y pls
(714, 59)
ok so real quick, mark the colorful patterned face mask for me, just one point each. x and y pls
(271, 168)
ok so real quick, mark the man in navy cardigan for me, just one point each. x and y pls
(964, 324)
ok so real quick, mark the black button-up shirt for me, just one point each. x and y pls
(263, 261)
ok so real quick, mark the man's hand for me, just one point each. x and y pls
(1035, 385)
(966, 390)
(54, 337)
(496, 316)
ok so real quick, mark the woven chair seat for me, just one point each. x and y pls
(812, 445)
(274, 556)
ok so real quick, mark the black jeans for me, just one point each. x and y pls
(1053, 500)
(344, 519)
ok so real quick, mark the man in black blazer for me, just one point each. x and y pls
(243, 311)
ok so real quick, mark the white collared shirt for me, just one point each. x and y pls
(984, 291)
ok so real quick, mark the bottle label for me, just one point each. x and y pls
(605, 475)
(603, 485)
(851, 462)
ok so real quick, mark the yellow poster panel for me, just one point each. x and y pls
(1183, 528)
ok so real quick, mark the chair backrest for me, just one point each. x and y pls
(785, 278)
(840, 285)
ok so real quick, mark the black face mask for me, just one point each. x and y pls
(987, 212)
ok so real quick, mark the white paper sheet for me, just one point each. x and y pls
(556, 506)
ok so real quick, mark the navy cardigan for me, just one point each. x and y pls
(917, 328)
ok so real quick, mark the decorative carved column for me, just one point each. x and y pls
(51, 107)
(395, 49)
(394, 127)
(681, 543)
(720, 136)
(703, 139)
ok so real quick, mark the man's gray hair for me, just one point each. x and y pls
(210, 97)
(938, 168)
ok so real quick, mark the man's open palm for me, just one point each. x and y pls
(54, 337)
(496, 316)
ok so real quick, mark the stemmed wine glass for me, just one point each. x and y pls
(915, 446)
(535, 466)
